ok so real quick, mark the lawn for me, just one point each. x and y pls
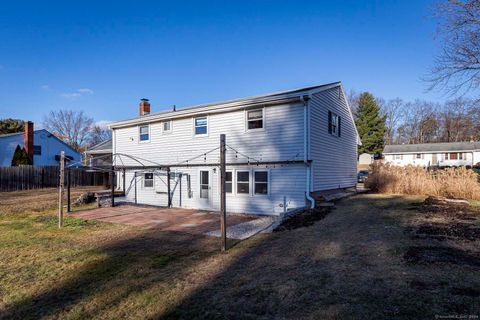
(368, 258)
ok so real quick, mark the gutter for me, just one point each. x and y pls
(306, 134)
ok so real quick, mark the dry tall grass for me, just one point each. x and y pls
(451, 182)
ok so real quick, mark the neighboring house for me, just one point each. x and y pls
(99, 155)
(281, 148)
(42, 147)
(433, 154)
(364, 161)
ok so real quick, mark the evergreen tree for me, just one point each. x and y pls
(11, 126)
(370, 125)
(20, 156)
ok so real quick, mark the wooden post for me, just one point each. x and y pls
(135, 177)
(69, 178)
(112, 184)
(60, 189)
(223, 199)
(123, 181)
(168, 188)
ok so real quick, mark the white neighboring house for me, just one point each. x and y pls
(433, 154)
(42, 147)
(280, 146)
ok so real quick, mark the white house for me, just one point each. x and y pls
(433, 154)
(281, 148)
(42, 147)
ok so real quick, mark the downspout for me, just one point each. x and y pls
(306, 133)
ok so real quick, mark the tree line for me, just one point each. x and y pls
(420, 121)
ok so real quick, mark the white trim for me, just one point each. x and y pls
(268, 182)
(149, 133)
(263, 119)
(194, 127)
(430, 152)
(249, 183)
(163, 127)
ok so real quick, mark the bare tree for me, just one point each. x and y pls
(392, 110)
(457, 68)
(72, 126)
(99, 134)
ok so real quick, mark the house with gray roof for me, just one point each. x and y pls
(445, 154)
(99, 155)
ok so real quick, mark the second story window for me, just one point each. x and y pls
(334, 124)
(255, 119)
(167, 126)
(201, 125)
(144, 133)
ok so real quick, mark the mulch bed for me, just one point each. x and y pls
(305, 218)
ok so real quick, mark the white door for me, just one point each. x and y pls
(204, 192)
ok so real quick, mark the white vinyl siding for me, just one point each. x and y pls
(334, 158)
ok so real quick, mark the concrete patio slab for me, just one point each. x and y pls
(190, 221)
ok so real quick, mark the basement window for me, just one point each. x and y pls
(261, 182)
(243, 182)
(201, 125)
(148, 180)
(144, 133)
(255, 119)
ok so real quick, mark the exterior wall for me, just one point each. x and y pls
(427, 159)
(282, 138)
(51, 146)
(334, 159)
(286, 181)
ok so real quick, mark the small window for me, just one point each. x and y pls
(148, 180)
(261, 182)
(398, 157)
(461, 156)
(167, 126)
(228, 182)
(255, 119)
(243, 182)
(446, 156)
(418, 156)
(201, 125)
(37, 150)
(334, 124)
(144, 133)
(453, 156)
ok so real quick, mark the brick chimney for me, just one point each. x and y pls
(144, 107)
(28, 143)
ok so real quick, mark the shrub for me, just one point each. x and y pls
(450, 182)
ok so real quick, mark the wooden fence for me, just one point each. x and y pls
(38, 177)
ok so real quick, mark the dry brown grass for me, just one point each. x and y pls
(413, 180)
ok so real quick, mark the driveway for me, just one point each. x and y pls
(167, 219)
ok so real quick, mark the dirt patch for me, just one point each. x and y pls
(460, 231)
(420, 255)
(305, 218)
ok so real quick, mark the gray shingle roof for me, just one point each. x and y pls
(102, 147)
(432, 147)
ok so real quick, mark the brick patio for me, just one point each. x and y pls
(166, 219)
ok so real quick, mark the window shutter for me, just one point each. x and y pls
(330, 122)
(339, 126)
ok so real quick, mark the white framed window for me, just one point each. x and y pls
(148, 180)
(228, 182)
(243, 182)
(398, 157)
(260, 179)
(167, 126)
(418, 156)
(200, 126)
(204, 184)
(144, 133)
(255, 119)
(334, 124)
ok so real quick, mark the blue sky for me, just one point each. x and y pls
(103, 56)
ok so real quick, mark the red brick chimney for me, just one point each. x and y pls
(144, 107)
(29, 140)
